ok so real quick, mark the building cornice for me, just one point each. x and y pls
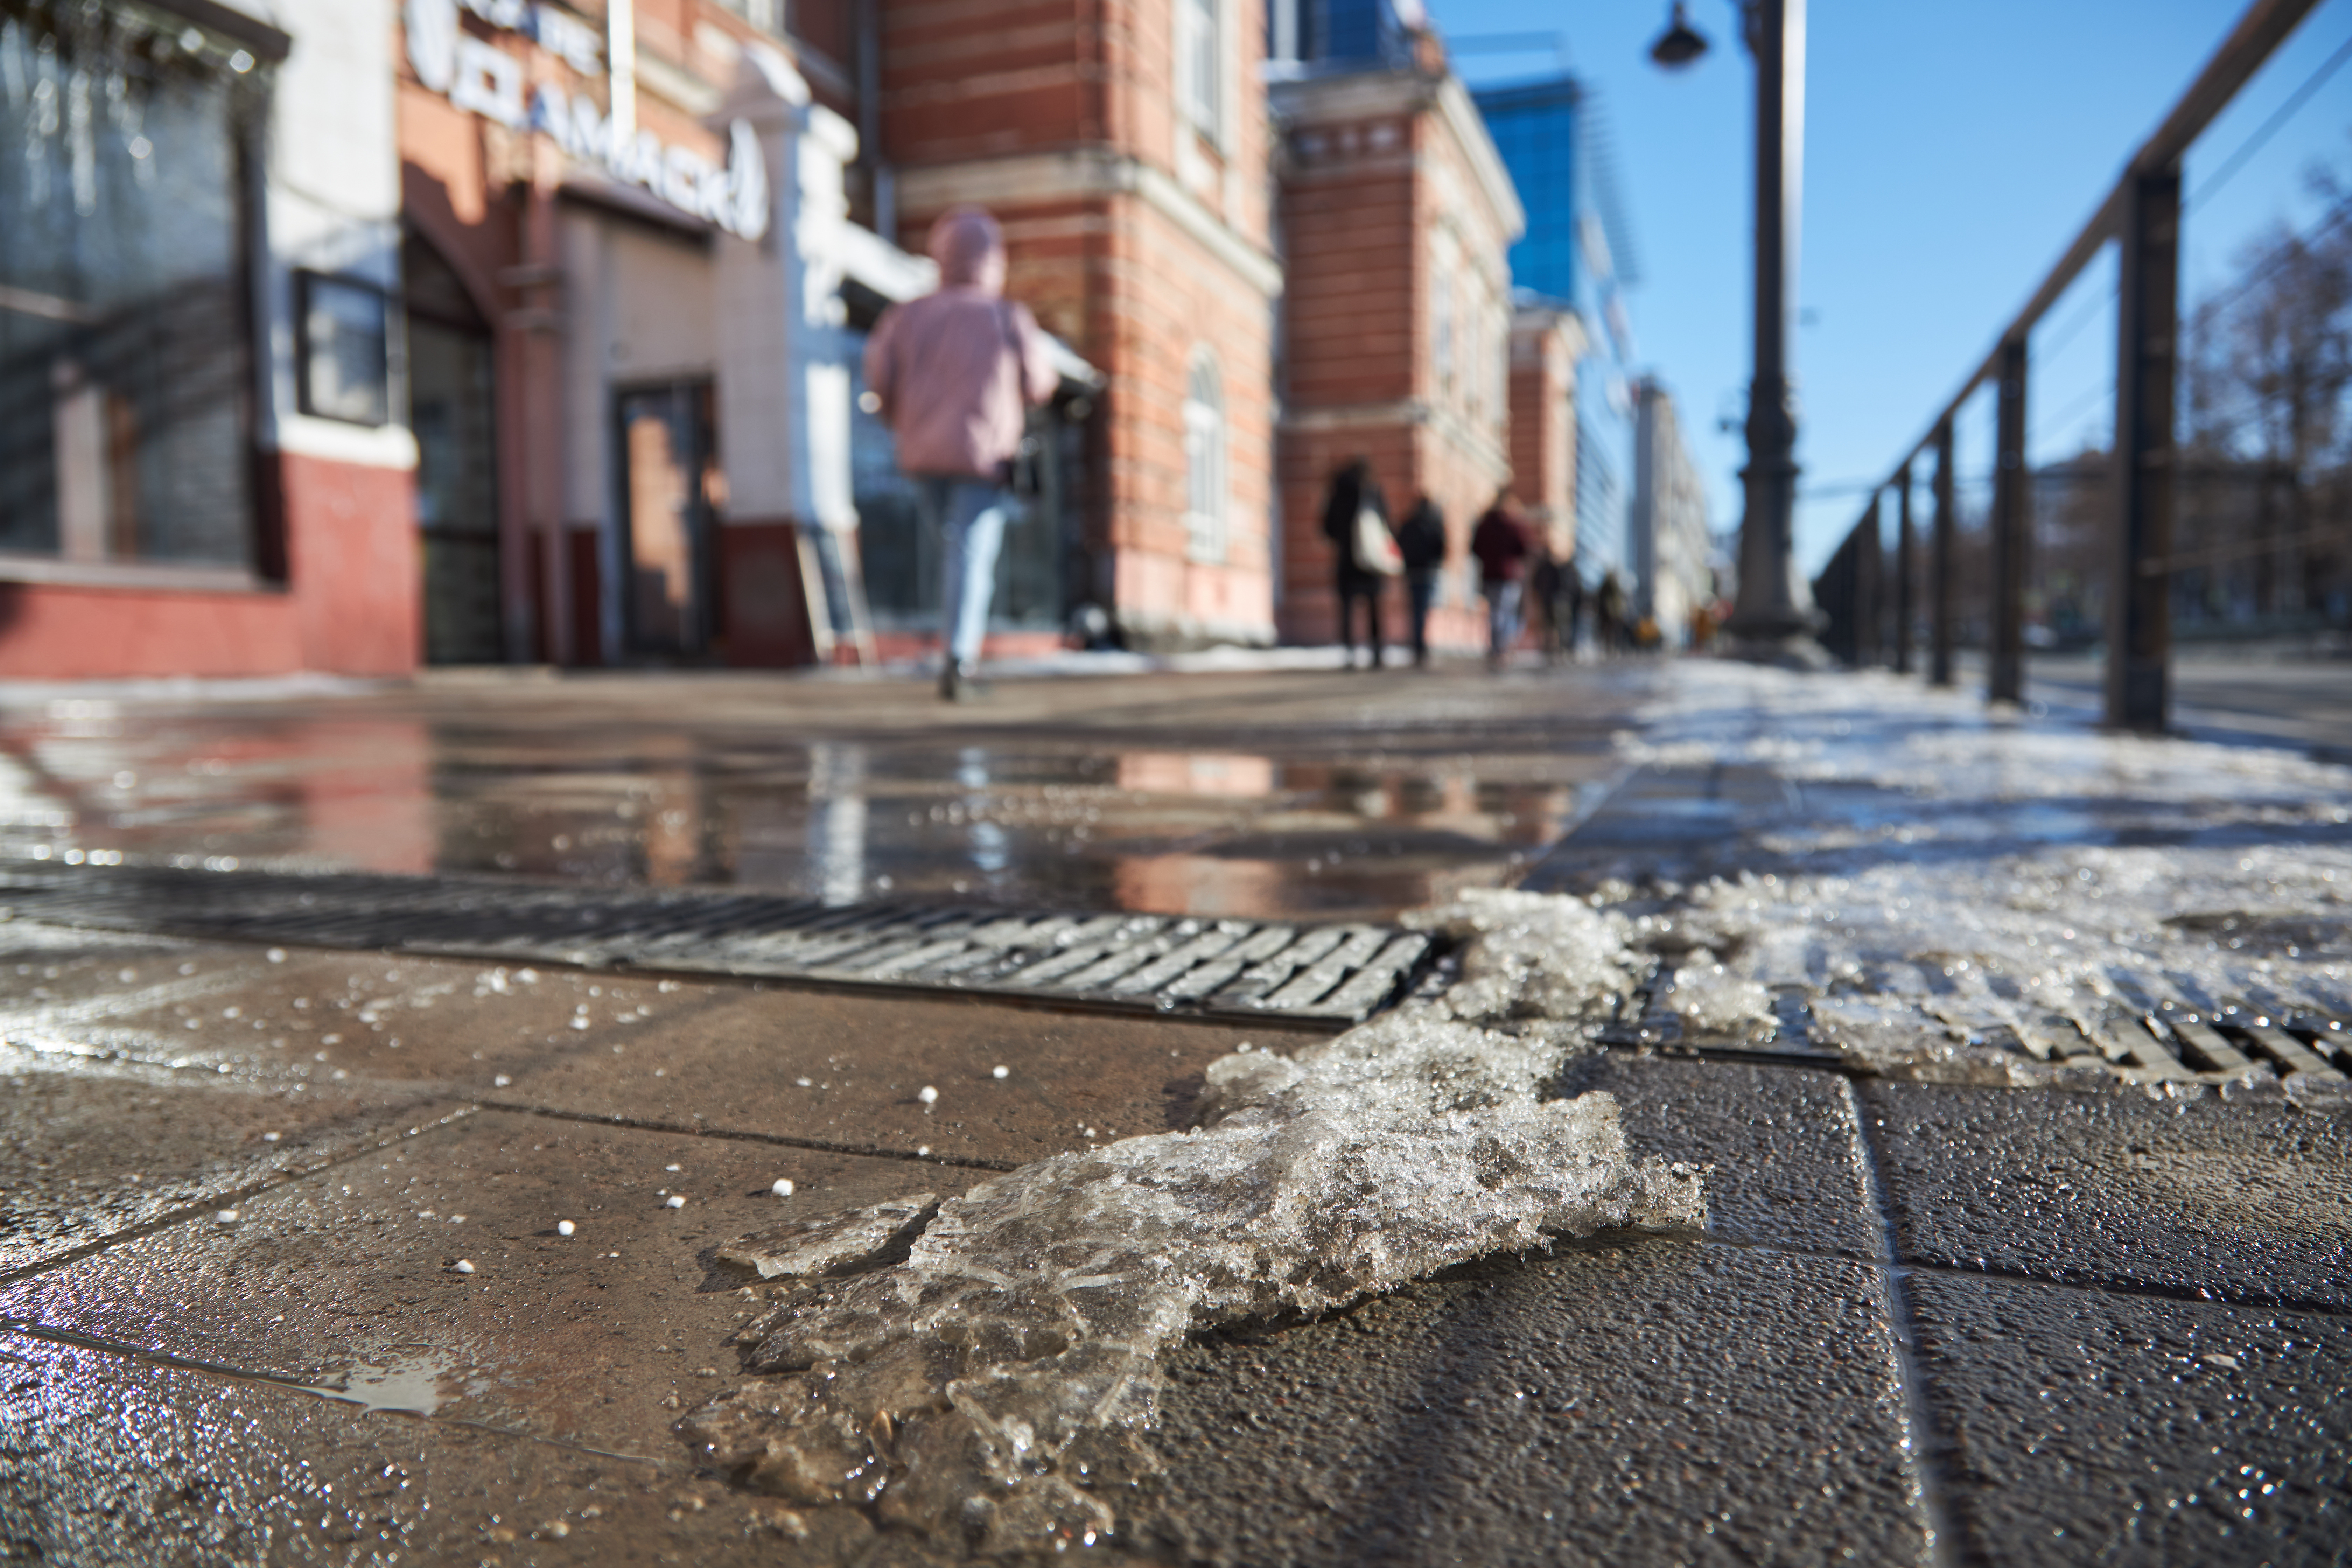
(1469, 128)
(1478, 444)
(1371, 95)
(1082, 174)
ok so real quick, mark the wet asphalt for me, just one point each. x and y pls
(283, 1275)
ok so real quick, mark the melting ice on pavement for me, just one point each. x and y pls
(984, 1391)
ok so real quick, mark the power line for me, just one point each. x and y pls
(2082, 318)
(2214, 304)
(2269, 127)
(2099, 395)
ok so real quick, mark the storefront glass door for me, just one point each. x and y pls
(669, 472)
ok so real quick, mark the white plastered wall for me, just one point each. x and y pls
(331, 203)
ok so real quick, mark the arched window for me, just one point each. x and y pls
(1204, 461)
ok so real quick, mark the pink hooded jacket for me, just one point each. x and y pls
(956, 370)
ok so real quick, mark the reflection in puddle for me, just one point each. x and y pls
(417, 1383)
(1039, 817)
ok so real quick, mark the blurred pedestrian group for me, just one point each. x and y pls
(1532, 592)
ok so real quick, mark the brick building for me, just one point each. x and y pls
(1396, 216)
(200, 472)
(1547, 343)
(543, 340)
(1122, 143)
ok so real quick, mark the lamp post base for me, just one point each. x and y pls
(1781, 648)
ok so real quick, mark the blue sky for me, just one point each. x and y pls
(1952, 152)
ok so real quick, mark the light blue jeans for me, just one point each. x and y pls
(1502, 617)
(970, 517)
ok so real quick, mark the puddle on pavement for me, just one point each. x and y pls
(1032, 820)
(417, 1383)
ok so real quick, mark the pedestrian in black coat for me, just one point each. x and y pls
(1353, 487)
(1420, 540)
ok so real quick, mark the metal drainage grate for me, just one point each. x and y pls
(2169, 1041)
(2139, 1035)
(1332, 973)
(1648, 1020)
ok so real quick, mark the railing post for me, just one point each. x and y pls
(2012, 530)
(1903, 566)
(2147, 325)
(1939, 592)
(1869, 588)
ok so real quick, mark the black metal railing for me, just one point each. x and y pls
(2101, 534)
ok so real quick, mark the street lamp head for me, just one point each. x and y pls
(1680, 44)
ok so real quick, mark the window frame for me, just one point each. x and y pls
(1207, 464)
(305, 398)
(1200, 28)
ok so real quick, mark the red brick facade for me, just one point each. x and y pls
(1397, 219)
(1138, 238)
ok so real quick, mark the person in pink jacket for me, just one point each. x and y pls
(955, 374)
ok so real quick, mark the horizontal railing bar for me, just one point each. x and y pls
(2264, 26)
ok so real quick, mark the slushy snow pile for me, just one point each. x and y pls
(984, 1391)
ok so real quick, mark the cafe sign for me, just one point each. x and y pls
(485, 81)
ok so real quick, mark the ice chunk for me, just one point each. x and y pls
(836, 1243)
(1531, 955)
(982, 1386)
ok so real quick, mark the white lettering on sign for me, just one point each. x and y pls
(487, 81)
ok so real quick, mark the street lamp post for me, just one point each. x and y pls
(1773, 619)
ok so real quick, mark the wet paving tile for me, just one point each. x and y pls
(311, 1016)
(89, 1150)
(1645, 1401)
(108, 1459)
(2083, 1426)
(1782, 1141)
(1269, 793)
(2246, 1201)
(350, 1279)
(850, 1071)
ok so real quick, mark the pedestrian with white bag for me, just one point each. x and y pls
(1356, 520)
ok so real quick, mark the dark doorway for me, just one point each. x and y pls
(668, 479)
(452, 409)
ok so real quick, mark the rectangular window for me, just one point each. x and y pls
(125, 354)
(1441, 316)
(1198, 55)
(342, 354)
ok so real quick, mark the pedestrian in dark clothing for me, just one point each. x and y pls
(1555, 586)
(1420, 540)
(1501, 544)
(1609, 632)
(1354, 489)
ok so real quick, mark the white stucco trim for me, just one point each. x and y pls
(1469, 128)
(1368, 95)
(1091, 172)
(333, 441)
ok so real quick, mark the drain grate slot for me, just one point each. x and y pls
(1335, 974)
(2139, 1035)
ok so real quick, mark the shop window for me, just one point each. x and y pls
(125, 349)
(1204, 462)
(342, 349)
(1197, 54)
